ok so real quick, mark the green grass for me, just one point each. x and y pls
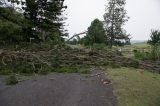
(141, 45)
(135, 87)
(127, 51)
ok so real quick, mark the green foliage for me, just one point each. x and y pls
(37, 21)
(115, 17)
(45, 17)
(24, 67)
(140, 55)
(11, 25)
(11, 80)
(5, 71)
(35, 46)
(56, 58)
(155, 37)
(155, 43)
(10, 32)
(96, 33)
(155, 52)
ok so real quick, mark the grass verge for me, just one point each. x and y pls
(135, 87)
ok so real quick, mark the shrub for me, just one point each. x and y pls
(155, 53)
(155, 43)
(155, 37)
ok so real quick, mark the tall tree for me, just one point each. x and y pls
(45, 17)
(115, 17)
(52, 20)
(30, 8)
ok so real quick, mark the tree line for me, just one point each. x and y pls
(44, 21)
(32, 20)
(110, 31)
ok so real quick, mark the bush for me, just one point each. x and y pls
(155, 43)
(155, 53)
(155, 37)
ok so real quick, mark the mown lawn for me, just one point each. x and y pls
(135, 87)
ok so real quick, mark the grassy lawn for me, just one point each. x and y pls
(134, 87)
(141, 45)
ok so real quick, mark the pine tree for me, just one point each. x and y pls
(52, 19)
(45, 18)
(115, 17)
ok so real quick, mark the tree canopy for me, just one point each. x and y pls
(38, 19)
(155, 37)
(95, 34)
(115, 17)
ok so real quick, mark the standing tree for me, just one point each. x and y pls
(30, 8)
(54, 19)
(95, 34)
(45, 18)
(115, 17)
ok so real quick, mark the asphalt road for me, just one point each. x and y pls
(59, 90)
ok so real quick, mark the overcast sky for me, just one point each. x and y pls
(144, 16)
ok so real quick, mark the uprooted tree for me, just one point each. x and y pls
(114, 19)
